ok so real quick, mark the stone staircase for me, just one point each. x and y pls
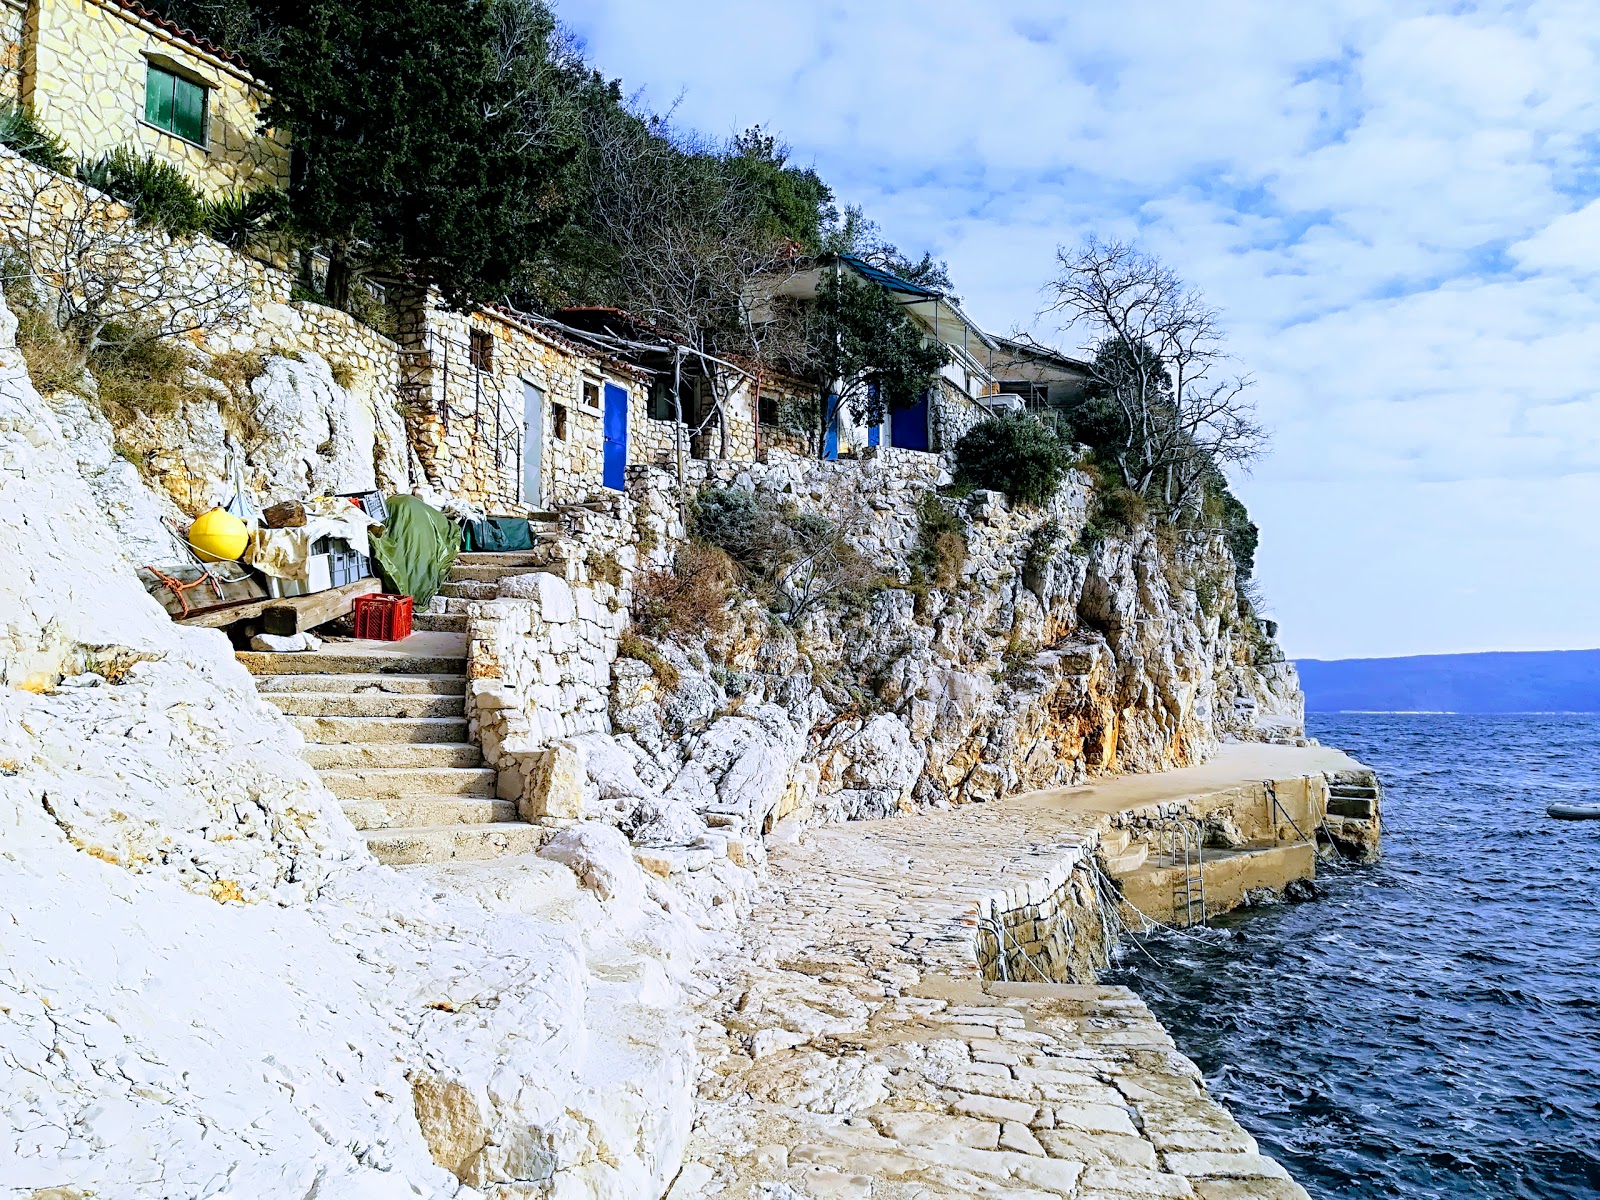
(387, 731)
(476, 576)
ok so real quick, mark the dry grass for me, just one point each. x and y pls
(632, 645)
(690, 600)
(138, 373)
(236, 370)
(343, 373)
(54, 363)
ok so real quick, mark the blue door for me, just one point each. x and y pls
(908, 427)
(830, 440)
(615, 472)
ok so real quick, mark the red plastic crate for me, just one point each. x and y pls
(383, 618)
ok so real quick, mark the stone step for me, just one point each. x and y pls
(433, 844)
(396, 685)
(439, 623)
(366, 704)
(325, 663)
(493, 573)
(1114, 842)
(470, 589)
(413, 731)
(382, 783)
(363, 755)
(430, 812)
(515, 558)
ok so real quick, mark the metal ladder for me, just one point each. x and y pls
(1186, 841)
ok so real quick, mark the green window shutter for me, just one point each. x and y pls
(189, 110)
(175, 104)
(158, 97)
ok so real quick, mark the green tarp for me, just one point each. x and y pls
(416, 550)
(497, 534)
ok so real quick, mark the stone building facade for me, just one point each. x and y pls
(505, 413)
(108, 73)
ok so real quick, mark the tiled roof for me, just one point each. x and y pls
(166, 25)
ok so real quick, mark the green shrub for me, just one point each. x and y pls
(1047, 541)
(732, 518)
(157, 193)
(1013, 454)
(21, 132)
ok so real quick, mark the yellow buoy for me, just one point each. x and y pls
(218, 536)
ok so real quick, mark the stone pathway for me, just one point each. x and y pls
(855, 1050)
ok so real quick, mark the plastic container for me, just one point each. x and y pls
(382, 618)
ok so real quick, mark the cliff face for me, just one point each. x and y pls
(1062, 651)
(208, 986)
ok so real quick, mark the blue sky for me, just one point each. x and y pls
(1396, 205)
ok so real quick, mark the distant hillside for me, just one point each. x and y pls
(1536, 681)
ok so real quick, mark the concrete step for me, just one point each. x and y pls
(366, 755)
(332, 663)
(430, 812)
(433, 844)
(412, 731)
(366, 704)
(1353, 791)
(515, 558)
(382, 783)
(1361, 807)
(439, 622)
(395, 685)
(1114, 842)
(1127, 860)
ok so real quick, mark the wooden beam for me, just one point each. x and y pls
(337, 600)
(294, 614)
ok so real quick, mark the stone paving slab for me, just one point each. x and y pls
(855, 1051)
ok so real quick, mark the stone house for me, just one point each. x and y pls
(713, 413)
(107, 73)
(1044, 379)
(965, 386)
(507, 410)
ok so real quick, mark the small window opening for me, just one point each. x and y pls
(558, 421)
(767, 410)
(481, 348)
(175, 104)
(591, 394)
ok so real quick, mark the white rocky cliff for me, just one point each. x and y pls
(207, 987)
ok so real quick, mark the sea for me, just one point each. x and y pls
(1429, 1025)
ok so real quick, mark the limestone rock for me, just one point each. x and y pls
(600, 857)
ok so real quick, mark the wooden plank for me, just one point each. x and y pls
(216, 618)
(293, 614)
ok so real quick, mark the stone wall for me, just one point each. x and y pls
(13, 25)
(84, 76)
(1051, 929)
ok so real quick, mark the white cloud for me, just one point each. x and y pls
(1393, 201)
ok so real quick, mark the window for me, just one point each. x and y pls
(591, 395)
(767, 410)
(558, 421)
(175, 104)
(481, 349)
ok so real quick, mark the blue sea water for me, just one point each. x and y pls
(1429, 1027)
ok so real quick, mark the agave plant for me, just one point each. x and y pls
(21, 132)
(244, 220)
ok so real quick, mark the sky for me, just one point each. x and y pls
(1395, 206)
